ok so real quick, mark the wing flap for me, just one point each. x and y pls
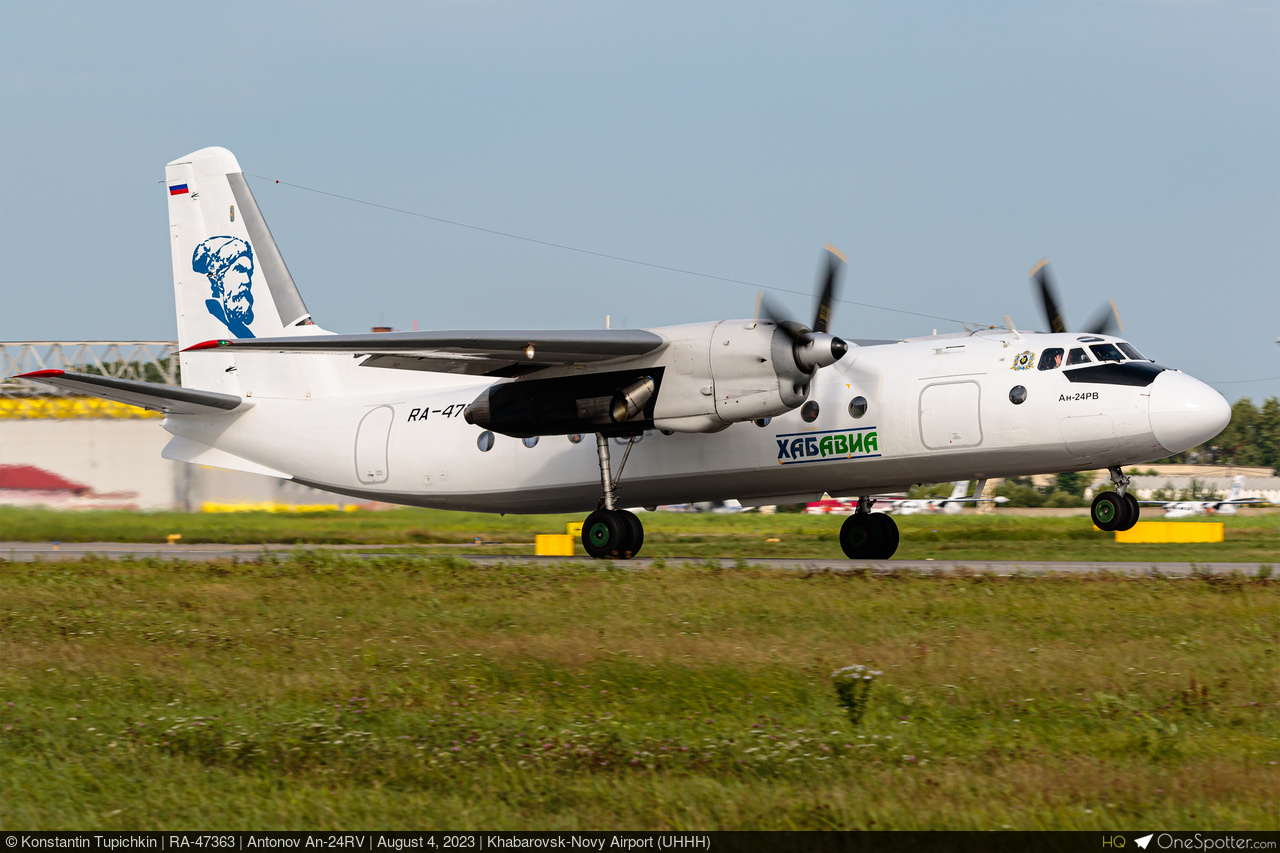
(181, 449)
(147, 395)
(452, 364)
(479, 353)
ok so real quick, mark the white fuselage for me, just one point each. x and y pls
(1183, 509)
(937, 409)
(919, 507)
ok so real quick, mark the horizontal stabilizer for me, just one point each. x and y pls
(148, 395)
(482, 353)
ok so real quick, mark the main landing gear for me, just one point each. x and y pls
(868, 535)
(1116, 510)
(610, 533)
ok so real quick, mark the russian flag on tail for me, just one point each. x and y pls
(178, 189)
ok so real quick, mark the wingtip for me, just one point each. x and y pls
(36, 374)
(214, 344)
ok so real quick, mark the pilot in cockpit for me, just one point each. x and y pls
(1051, 359)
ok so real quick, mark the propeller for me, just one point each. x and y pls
(813, 347)
(1104, 322)
(827, 296)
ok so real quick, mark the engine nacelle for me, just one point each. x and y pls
(748, 370)
(709, 375)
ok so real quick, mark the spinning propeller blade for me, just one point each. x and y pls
(799, 333)
(1048, 296)
(1104, 322)
(827, 296)
(812, 347)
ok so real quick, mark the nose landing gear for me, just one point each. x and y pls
(868, 535)
(1116, 510)
(610, 533)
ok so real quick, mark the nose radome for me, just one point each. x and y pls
(1185, 411)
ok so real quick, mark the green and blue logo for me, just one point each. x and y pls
(797, 447)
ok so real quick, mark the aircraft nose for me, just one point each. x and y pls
(1185, 411)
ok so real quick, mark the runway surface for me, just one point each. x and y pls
(26, 552)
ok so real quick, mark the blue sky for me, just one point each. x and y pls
(945, 147)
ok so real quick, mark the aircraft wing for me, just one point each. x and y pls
(997, 499)
(148, 395)
(479, 353)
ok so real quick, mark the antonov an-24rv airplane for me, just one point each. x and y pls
(764, 410)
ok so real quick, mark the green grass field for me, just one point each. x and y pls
(325, 691)
(1250, 537)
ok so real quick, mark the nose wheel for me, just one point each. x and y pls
(1116, 510)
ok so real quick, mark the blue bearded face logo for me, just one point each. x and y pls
(228, 262)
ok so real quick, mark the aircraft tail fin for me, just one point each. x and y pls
(954, 506)
(1229, 506)
(228, 275)
(1237, 484)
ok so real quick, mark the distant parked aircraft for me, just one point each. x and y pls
(907, 506)
(1226, 506)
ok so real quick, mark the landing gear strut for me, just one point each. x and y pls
(868, 535)
(1116, 510)
(610, 533)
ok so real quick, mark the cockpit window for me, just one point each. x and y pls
(1106, 352)
(1051, 358)
(1077, 356)
(1128, 349)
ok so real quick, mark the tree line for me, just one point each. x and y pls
(1251, 439)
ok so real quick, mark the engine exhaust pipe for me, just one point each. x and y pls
(630, 401)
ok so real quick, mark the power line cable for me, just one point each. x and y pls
(593, 253)
(1243, 381)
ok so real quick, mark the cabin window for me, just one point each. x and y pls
(1128, 349)
(1107, 352)
(530, 441)
(809, 412)
(1052, 358)
(1077, 356)
(485, 441)
(575, 437)
(762, 422)
(1017, 395)
(858, 406)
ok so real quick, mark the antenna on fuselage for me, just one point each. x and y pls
(1008, 324)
